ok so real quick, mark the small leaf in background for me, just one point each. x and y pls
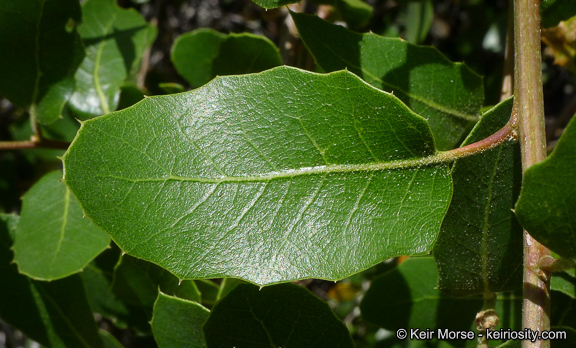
(548, 198)
(479, 248)
(203, 54)
(178, 323)
(109, 340)
(552, 12)
(561, 42)
(41, 51)
(115, 40)
(129, 95)
(211, 292)
(285, 315)
(53, 239)
(269, 4)
(418, 15)
(448, 94)
(406, 297)
(98, 281)
(269, 177)
(54, 314)
(564, 282)
(171, 88)
(356, 13)
(137, 282)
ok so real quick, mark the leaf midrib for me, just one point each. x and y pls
(317, 170)
(96, 73)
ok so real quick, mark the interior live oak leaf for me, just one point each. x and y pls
(268, 177)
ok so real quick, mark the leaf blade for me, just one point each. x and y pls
(42, 50)
(115, 40)
(284, 315)
(52, 313)
(53, 240)
(268, 196)
(203, 54)
(412, 73)
(480, 223)
(178, 323)
(547, 198)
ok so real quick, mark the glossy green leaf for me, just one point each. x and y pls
(552, 12)
(407, 298)
(55, 314)
(115, 40)
(548, 198)
(274, 3)
(41, 51)
(479, 249)
(138, 282)
(564, 282)
(203, 54)
(285, 315)
(268, 177)
(53, 238)
(448, 94)
(178, 323)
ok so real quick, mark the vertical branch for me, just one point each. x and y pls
(528, 105)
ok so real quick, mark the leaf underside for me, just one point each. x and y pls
(479, 249)
(268, 177)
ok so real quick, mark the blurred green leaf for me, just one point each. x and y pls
(115, 41)
(511, 344)
(53, 238)
(54, 314)
(284, 315)
(171, 88)
(100, 296)
(356, 13)
(479, 249)
(269, 4)
(41, 51)
(418, 16)
(548, 198)
(448, 94)
(209, 291)
(268, 177)
(552, 12)
(407, 298)
(178, 323)
(109, 340)
(129, 95)
(138, 282)
(203, 54)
